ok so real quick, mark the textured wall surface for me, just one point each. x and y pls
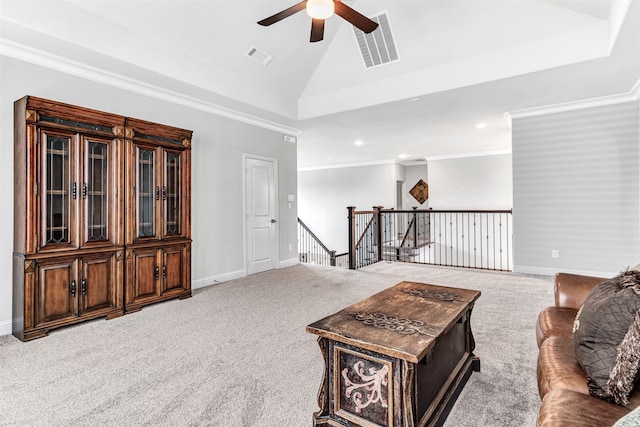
(576, 190)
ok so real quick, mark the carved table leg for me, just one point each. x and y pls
(323, 392)
(409, 375)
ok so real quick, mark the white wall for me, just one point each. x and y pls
(576, 190)
(217, 193)
(324, 195)
(474, 183)
(468, 183)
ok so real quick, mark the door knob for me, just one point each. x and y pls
(273, 221)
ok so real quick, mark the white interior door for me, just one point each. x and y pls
(262, 226)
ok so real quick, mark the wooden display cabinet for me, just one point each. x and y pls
(159, 218)
(67, 216)
(72, 234)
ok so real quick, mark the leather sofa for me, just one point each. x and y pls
(562, 384)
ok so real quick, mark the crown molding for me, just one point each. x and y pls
(632, 95)
(467, 155)
(347, 165)
(405, 162)
(48, 60)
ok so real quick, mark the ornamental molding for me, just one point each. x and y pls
(370, 390)
(430, 294)
(31, 116)
(118, 131)
(395, 324)
(129, 132)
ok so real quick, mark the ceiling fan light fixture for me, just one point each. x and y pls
(320, 9)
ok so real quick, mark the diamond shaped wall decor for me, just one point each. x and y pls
(420, 191)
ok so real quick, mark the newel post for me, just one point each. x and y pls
(415, 227)
(352, 237)
(378, 231)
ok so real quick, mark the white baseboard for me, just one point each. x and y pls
(551, 271)
(289, 262)
(5, 327)
(212, 280)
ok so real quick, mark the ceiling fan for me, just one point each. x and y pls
(319, 10)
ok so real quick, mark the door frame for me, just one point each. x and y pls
(245, 221)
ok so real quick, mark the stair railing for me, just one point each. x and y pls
(364, 237)
(311, 250)
(480, 239)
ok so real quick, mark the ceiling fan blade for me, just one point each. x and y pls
(317, 30)
(355, 18)
(283, 14)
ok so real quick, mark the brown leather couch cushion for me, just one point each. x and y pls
(569, 408)
(555, 321)
(558, 367)
(572, 289)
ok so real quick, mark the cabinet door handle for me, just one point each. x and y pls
(157, 193)
(83, 286)
(73, 288)
(164, 193)
(164, 271)
(74, 190)
(84, 190)
(157, 273)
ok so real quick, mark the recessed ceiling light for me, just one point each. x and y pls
(359, 142)
(402, 156)
(481, 125)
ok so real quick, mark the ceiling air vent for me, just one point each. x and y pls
(378, 47)
(260, 56)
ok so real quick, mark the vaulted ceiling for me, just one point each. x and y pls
(462, 62)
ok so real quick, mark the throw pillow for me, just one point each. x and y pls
(607, 337)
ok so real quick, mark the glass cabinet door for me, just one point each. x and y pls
(95, 191)
(58, 190)
(147, 192)
(171, 194)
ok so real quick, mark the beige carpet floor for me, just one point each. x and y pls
(237, 354)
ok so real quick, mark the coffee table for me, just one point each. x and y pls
(397, 358)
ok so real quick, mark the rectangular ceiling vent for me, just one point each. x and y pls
(378, 47)
(260, 56)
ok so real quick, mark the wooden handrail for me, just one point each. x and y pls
(322, 245)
